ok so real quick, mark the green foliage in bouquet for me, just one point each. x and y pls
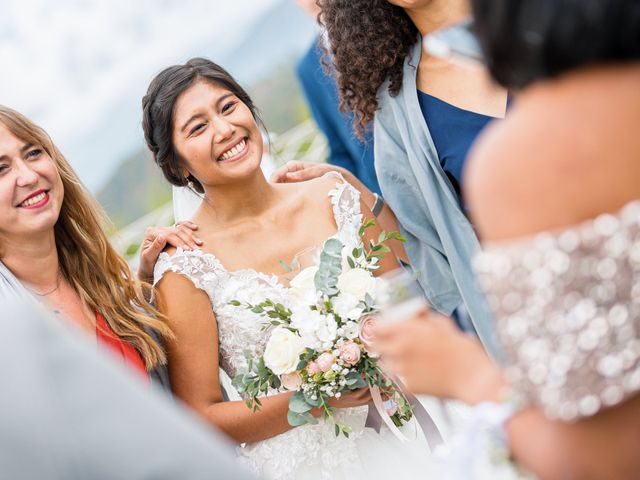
(318, 387)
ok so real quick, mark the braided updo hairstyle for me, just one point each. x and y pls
(158, 107)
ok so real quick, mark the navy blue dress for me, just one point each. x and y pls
(453, 131)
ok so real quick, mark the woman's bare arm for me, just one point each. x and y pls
(194, 374)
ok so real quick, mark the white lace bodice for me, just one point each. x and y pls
(240, 330)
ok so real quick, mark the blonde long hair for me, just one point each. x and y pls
(101, 277)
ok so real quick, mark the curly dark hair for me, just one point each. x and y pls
(158, 108)
(370, 40)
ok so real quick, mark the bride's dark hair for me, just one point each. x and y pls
(158, 106)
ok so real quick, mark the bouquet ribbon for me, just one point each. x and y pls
(378, 415)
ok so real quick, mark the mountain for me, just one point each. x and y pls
(281, 33)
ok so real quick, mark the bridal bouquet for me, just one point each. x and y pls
(319, 344)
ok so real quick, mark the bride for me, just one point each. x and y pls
(202, 129)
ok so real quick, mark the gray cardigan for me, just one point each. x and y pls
(440, 240)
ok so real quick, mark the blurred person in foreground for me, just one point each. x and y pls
(68, 413)
(557, 204)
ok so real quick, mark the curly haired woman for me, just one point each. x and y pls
(427, 113)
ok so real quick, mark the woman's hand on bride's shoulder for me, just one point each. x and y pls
(295, 171)
(156, 239)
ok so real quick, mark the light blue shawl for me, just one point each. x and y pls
(440, 240)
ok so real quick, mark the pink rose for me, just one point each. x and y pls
(325, 361)
(291, 381)
(367, 324)
(349, 352)
(313, 368)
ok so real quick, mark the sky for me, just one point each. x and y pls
(68, 63)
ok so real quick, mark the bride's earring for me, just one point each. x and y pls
(187, 177)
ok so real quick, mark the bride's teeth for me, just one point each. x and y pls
(233, 151)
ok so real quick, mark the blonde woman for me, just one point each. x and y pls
(53, 248)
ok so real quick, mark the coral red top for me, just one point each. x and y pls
(122, 349)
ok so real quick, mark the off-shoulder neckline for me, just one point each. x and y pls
(270, 277)
(629, 213)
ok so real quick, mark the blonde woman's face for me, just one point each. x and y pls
(31, 190)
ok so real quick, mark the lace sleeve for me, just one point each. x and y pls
(567, 309)
(200, 268)
(345, 200)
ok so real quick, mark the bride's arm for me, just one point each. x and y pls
(193, 366)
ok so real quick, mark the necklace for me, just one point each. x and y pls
(49, 292)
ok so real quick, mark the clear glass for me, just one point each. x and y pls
(403, 298)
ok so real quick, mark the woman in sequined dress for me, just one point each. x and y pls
(557, 204)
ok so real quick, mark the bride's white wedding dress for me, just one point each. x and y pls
(308, 451)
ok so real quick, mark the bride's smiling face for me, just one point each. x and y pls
(215, 135)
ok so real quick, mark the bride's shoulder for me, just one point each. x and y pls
(326, 183)
(318, 190)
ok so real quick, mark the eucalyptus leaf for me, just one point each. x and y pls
(296, 419)
(330, 268)
(298, 404)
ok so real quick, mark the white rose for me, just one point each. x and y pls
(327, 329)
(346, 306)
(356, 282)
(303, 287)
(283, 350)
(306, 321)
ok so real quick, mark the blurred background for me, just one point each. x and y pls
(79, 68)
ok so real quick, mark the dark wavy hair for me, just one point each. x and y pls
(529, 40)
(370, 40)
(158, 107)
